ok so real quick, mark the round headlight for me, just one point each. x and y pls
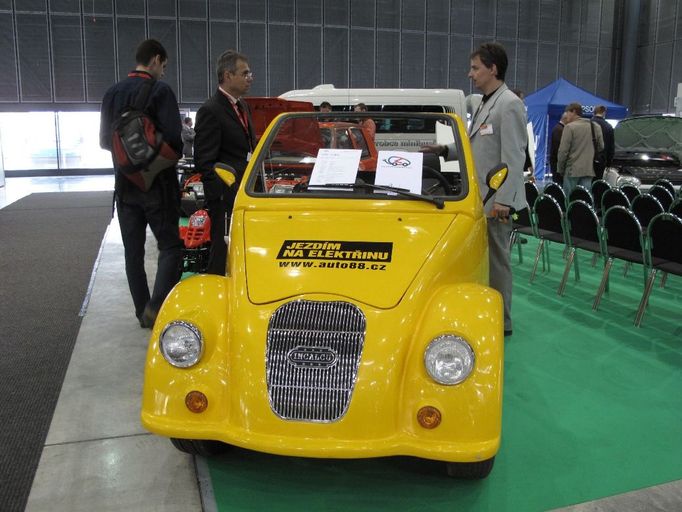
(449, 359)
(181, 344)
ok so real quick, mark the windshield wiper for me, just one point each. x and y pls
(440, 204)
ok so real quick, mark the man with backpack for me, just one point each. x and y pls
(154, 200)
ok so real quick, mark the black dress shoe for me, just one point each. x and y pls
(507, 332)
(147, 318)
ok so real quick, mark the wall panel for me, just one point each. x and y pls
(67, 57)
(9, 87)
(302, 43)
(35, 81)
(308, 60)
(362, 58)
(193, 61)
(281, 69)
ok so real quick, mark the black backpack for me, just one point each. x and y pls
(138, 148)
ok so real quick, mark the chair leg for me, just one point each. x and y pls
(537, 258)
(603, 284)
(513, 237)
(645, 297)
(664, 278)
(576, 267)
(567, 270)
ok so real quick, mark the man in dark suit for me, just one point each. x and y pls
(224, 133)
(607, 131)
(557, 131)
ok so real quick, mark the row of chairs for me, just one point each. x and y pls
(618, 235)
(602, 196)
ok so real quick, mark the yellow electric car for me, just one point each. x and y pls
(354, 319)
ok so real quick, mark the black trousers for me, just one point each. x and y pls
(220, 212)
(159, 208)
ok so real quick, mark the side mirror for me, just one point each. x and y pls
(226, 173)
(495, 179)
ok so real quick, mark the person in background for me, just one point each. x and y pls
(224, 133)
(554, 149)
(325, 106)
(187, 138)
(576, 150)
(367, 123)
(159, 207)
(498, 134)
(607, 131)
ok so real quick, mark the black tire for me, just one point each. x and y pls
(470, 470)
(199, 446)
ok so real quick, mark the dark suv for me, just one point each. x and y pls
(649, 148)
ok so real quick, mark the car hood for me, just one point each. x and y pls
(368, 257)
(649, 135)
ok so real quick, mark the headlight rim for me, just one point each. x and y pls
(459, 340)
(195, 331)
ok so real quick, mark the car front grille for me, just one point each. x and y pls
(312, 357)
(649, 174)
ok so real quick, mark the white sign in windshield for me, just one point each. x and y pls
(334, 166)
(400, 169)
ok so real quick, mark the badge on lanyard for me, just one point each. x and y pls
(486, 129)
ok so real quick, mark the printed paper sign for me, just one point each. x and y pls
(335, 166)
(400, 169)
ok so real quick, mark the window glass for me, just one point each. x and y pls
(342, 139)
(360, 141)
(29, 140)
(79, 141)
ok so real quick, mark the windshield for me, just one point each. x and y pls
(650, 134)
(343, 155)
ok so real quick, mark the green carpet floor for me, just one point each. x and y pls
(592, 408)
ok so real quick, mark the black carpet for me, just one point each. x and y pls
(48, 246)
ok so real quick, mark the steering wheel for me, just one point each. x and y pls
(430, 172)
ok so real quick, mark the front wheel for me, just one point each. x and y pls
(199, 446)
(470, 470)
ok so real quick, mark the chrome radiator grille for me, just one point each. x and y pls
(312, 357)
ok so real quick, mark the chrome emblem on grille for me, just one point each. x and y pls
(312, 357)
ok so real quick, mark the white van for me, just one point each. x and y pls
(390, 100)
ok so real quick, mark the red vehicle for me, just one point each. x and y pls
(290, 164)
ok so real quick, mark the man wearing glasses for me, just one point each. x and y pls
(224, 133)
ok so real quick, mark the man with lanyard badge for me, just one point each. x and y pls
(224, 134)
(498, 134)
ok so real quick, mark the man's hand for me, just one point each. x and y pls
(432, 148)
(500, 212)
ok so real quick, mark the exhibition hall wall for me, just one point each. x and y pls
(63, 54)
(59, 56)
